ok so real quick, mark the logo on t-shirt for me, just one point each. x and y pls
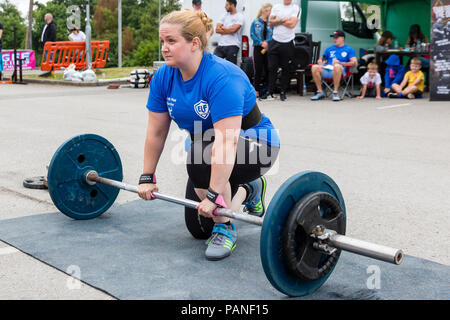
(343, 54)
(202, 109)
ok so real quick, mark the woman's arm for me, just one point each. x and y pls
(223, 153)
(157, 130)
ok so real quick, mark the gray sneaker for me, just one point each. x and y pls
(336, 96)
(319, 95)
(222, 241)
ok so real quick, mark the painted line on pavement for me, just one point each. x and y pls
(394, 106)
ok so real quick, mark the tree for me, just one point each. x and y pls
(140, 28)
(10, 16)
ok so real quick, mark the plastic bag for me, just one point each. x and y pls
(68, 72)
(88, 76)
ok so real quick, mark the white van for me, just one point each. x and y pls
(324, 17)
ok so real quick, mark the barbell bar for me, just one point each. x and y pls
(303, 230)
(334, 239)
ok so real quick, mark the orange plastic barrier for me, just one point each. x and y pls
(63, 53)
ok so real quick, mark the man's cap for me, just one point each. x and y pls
(197, 2)
(337, 34)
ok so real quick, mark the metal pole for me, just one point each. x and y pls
(92, 177)
(119, 49)
(88, 38)
(29, 42)
(159, 19)
(14, 76)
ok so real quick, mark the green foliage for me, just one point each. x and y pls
(10, 16)
(139, 26)
(140, 43)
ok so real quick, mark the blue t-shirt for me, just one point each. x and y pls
(343, 54)
(218, 90)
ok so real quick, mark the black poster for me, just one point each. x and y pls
(440, 51)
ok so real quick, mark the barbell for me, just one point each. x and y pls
(303, 230)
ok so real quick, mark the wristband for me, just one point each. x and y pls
(147, 178)
(216, 198)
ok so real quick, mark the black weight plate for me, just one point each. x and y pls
(314, 209)
(271, 243)
(35, 183)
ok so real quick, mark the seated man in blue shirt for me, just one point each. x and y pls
(332, 65)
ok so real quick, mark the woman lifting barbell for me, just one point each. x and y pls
(232, 143)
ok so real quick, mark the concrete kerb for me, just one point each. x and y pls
(100, 82)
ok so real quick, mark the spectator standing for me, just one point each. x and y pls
(333, 65)
(261, 35)
(283, 18)
(49, 30)
(230, 28)
(197, 5)
(371, 82)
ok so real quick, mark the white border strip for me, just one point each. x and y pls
(8, 250)
(394, 106)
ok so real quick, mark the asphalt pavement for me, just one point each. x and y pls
(389, 157)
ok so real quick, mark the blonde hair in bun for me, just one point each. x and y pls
(193, 24)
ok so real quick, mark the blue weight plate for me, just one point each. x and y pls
(271, 250)
(66, 183)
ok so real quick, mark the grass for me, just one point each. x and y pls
(109, 73)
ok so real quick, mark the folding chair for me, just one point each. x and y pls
(301, 74)
(343, 86)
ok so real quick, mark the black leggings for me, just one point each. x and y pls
(260, 67)
(253, 159)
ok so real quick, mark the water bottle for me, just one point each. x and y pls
(418, 46)
(396, 44)
(304, 89)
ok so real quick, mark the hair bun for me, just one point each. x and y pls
(207, 22)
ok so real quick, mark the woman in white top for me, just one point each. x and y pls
(77, 35)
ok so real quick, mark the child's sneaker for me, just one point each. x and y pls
(222, 241)
(256, 190)
(411, 96)
(392, 95)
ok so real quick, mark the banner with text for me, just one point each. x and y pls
(8, 59)
(440, 51)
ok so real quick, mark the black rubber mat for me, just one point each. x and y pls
(142, 250)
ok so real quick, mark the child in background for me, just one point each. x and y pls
(394, 73)
(412, 84)
(371, 82)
